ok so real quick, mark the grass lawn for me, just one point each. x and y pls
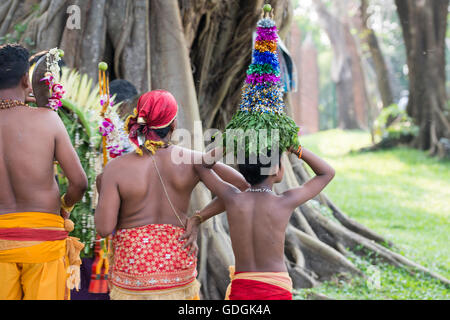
(403, 195)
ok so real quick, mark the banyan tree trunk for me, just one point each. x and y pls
(199, 50)
(343, 70)
(424, 25)
(380, 66)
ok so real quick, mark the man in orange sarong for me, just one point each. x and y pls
(144, 196)
(38, 260)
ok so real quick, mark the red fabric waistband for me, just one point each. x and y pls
(29, 234)
(255, 290)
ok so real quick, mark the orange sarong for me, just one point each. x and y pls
(149, 263)
(259, 286)
(38, 260)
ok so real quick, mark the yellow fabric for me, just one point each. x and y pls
(190, 291)
(280, 279)
(31, 220)
(52, 261)
(152, 146)
(33, 281)
(45, 251)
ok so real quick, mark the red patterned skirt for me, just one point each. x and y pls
(150, 263)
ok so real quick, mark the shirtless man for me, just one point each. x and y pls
(258, 219)
(32, 261)
(145, 198)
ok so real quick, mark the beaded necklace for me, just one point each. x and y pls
(261, 190)
(8, 104)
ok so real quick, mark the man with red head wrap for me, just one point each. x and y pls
(144, 197)
(156, 110)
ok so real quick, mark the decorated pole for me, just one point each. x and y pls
(103, 82)
(100, 266)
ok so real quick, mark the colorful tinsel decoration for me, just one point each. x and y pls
(262, 105)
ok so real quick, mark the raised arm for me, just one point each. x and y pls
(230, 175)
(107, 212)
(324, 174)
(217, 205)
(226, 173)
(69, 162)
(213, 182)
(219, 187)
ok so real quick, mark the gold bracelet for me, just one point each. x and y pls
(197, 215)
(64, 206)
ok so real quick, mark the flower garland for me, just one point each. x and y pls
(51, 79)
(111, 127)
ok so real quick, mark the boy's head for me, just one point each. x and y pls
(40, 89)
(38, 70)
(14, 68)
(126, 94)
(267, 169)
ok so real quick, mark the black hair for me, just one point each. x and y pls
(13, 65)
(253, 172)
(123, 89)
(163, 132)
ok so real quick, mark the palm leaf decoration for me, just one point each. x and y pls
(82, 99)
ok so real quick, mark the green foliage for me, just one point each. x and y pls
(16, 36)
(402, 125)
(251, 136)
(83, 213)
(393, 284)
(400, 193)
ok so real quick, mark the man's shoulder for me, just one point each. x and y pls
(44, 112)
(44, 115)
(39, 120)
(119, 163)
(181, 149)
(182, 155)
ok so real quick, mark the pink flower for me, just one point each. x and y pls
(48, 79)
(114, 151)
(58, 90)
(104, 98)
(54, 104)
(106, 127)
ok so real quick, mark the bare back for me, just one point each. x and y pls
(139, 198)
(27, 151)
(257, 224)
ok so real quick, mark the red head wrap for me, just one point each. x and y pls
(155, 110)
